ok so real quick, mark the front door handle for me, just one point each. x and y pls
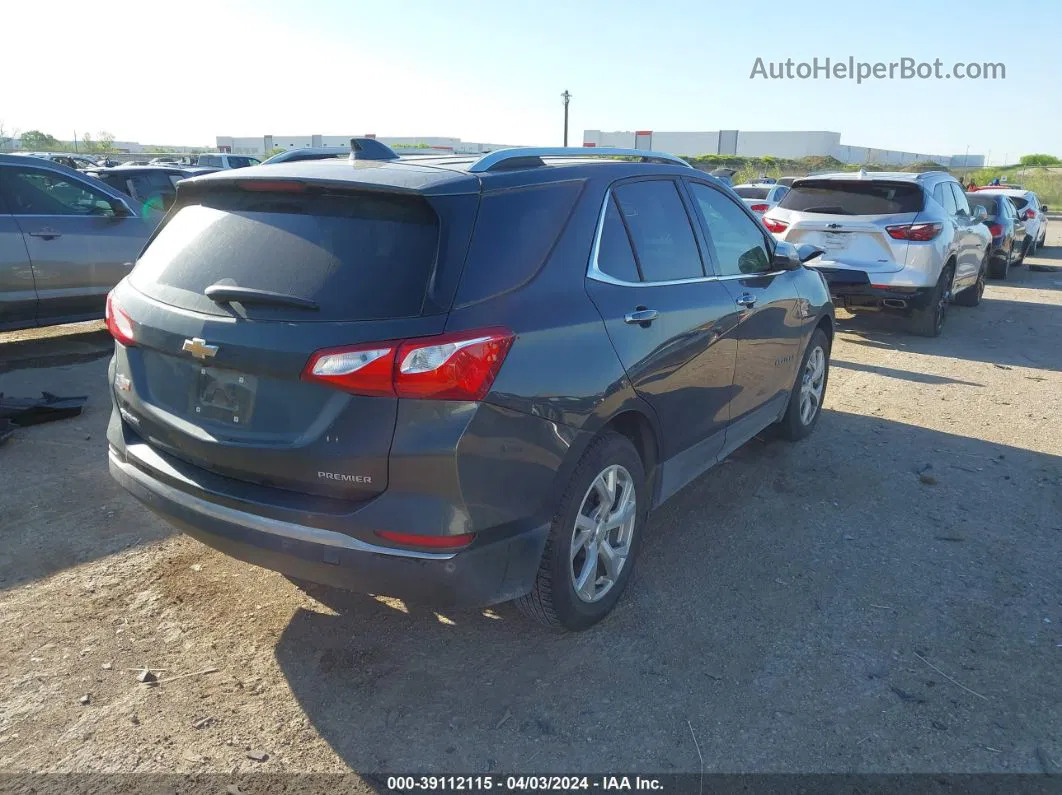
(47, 234)
(747, 300)
(641, 317)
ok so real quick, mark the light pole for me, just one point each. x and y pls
(566, 96)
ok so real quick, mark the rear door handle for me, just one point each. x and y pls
(47, 234)
(641, 316)
(746, 300)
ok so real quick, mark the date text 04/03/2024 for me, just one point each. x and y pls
(486, 782)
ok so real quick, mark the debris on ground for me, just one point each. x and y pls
(46, 408)
(928, 480)
(85, 700)
(146, 677)
(202, 723)
(257, 756)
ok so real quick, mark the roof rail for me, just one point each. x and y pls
(370, 149)
(531, 156)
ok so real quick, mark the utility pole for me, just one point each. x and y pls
(566, 96)
(75, 141)
(966, 162)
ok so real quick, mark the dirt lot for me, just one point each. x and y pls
(882, 597)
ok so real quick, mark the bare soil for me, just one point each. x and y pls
(883, 597)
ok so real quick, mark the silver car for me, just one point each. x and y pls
(65, 240)
(898, 241)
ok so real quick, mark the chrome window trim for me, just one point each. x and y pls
(594, 271)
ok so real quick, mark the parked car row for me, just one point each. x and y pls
(906, 242)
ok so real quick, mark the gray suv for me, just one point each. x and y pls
(65, 240)
(893, 241)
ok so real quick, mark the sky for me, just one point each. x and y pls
(183, 73)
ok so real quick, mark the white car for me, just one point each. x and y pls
(760, 196)
(892, 241)
(1030, 210)
(224, 160)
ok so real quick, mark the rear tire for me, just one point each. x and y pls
(582, 524)
(971, 296)
(810, 388)
(929, 322)
(1000, 268)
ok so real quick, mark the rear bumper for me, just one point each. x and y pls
(852, 289)
(486, 573)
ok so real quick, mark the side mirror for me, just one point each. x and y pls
(120, 209)
(980, 214)
(786, 257)
(1044, 207)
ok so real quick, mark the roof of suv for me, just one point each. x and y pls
(892, 176)
(451, 174)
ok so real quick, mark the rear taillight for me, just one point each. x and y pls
(914, 231)
(1030, 214)
(458, 366)
(759, 208)
(427, 542)
(118, 322)
(774, 226)
(996, 230)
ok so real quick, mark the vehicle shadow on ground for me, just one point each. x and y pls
(999, 331)
(790, 592)
(59, 506)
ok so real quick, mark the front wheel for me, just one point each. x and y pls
(805, 399)
(593, 540)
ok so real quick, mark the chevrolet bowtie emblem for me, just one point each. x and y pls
(199, 348)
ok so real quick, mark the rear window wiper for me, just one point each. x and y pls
(227, 293)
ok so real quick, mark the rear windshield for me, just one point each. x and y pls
(752, 193)
(990, 203)
(358, 256)
(836, 197)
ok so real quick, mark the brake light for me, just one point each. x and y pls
(457, 366)
(272, 186)
(1030, 213)
(996, 230)
(119, 323)
(430, 542)
(759, 208)
(774, 226)
(914, 231)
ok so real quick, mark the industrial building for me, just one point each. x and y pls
(788, 145)
(267, 143)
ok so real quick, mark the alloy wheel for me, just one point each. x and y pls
(604, 529)
(812, 383)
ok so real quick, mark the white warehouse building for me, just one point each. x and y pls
(789, 145)
(266, 143)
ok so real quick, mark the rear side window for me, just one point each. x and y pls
(358, 256)
(515, 232)
(843, 197)
(1019, 202)
(664, 245)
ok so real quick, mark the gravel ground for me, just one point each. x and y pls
(882, 597)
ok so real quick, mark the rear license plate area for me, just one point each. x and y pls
(224, 396)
